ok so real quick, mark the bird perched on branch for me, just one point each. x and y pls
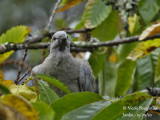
(76, 74)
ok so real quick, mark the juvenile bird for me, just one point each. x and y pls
(76, 74)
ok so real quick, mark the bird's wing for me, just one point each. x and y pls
(36, 69)
(86, 78)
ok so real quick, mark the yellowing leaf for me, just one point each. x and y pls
(144, 48)
(153, 30)
(15, 35)
(66, 4)
(9, 113)
(7, 83)
(1, 75)
(113, 58)
(4, 56)
(21, 105)
(25, 91)
(132, 22)
(155, 112)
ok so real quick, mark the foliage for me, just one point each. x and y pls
(54, 82)
(121, 70)
(66, 4)
(15, 35)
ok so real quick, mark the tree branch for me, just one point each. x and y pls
(53, 14)
(44, 33)
(75, 46)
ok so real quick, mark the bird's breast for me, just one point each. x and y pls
(63, 67)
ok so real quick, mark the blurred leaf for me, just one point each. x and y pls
(144, 48)
(45, 111)
(54, 82)
(124, 106)
(79, 25)
(4, 56)
(15, 35)
(86, 112)
(7, 83)
(61, 24)
(157, 71)
(9, 113)
(132, 22)
(24, 91)
(108, 29)
(124, 50)
(1, 75)
(73, 101)
(124, 77)
(150, 31)
(144, 74)
(97, 61)
(148, 9)
(4, 89)
(21, 105)
(46, 94)
(66, 4)
(107, 78)
(95, 13)
(113, 58)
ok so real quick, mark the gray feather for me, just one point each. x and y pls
(60, 63)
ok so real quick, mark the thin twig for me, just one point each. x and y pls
(25, 66)
(21, 65)
(23, 76)
(53, 14)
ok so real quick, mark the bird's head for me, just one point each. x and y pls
(60, 41)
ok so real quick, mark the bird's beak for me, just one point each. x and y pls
(62, 44)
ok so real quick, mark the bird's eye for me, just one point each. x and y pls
(54, 38)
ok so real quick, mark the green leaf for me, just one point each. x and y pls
(45, 111)
(124, 50)
(108, 29)
(107, 78)
(86, 112)
(157, 71)
(148, 9)
(15, 35)
(124, 77)
(54, 82)
(66, 4)
(144, 48)
(144, 75)
(79, 25)
(95, 13)
(117, 110)
(97, 61)
(46, 94)
(4, 89)
(73, 101)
